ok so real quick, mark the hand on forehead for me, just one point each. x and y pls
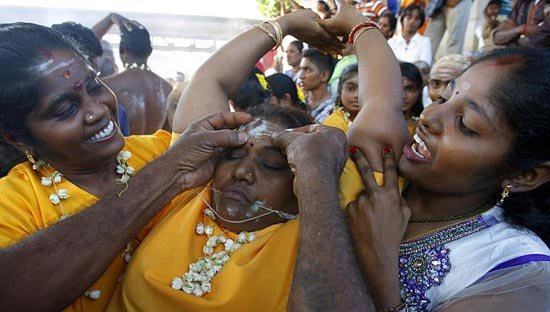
(261, 129)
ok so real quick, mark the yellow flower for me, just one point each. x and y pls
(262, 81)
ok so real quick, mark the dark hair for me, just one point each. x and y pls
(298, 44)
(281, 84)
(289, 117)
(522, 95)
(347, 73)
(321, 60)
(408, 10)
(251, 93)
(411, 72)
(392, 19)
(22, 47)
(82, 38)
(326, 7)
(136, 42)
(496, 2)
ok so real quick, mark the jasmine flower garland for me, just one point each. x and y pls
(197, 280)
(60, 194)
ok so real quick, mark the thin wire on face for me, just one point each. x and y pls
(257, 203)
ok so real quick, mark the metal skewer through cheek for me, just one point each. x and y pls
(270, 210)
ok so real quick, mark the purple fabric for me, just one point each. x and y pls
(521, 260)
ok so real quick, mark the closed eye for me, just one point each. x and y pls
(66, 110)
(463, 128)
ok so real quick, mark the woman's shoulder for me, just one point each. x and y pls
(148, 147)
(337, 120)
(18, 176)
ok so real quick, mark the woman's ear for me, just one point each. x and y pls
(530, 179)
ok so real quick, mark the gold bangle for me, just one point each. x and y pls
(278, 30)
(359, 33)
(262, 28)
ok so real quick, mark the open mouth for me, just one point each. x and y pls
(104, 134)
(417, 149)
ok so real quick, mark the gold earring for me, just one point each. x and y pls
(29, 157)
(505, 193)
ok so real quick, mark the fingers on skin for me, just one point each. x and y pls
(390, 170)
(364, 168)
(223, 138)
(225, 120)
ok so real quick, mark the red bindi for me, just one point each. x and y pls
(67, 75)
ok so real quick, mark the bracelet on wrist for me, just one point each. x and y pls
(358, 27)
(277, 37)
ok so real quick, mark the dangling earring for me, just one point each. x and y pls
(505, 193)
(29, 157)
(36, 164)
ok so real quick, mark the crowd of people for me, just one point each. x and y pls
(377, 174)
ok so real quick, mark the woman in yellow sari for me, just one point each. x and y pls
(73, 209)
(234, 245)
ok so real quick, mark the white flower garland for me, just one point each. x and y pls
(61, 194)
(197, 280)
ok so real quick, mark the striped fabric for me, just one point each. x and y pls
(372, 9)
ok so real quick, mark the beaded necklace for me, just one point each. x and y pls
(347, 115)
(143, 67)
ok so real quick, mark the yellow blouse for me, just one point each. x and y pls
(337, 120)
(26, 209)
(257, 276)
(351, 182)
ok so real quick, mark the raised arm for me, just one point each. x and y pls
(103, 26)
(50, 269)
(326, 273)
(380, 122)
(222, 74)
(507, 32)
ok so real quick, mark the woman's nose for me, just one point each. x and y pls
(244, 172)
(95, 111)
(431, 118)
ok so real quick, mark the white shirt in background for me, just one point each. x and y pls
(418, 49)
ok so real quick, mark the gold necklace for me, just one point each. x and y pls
(468, 214)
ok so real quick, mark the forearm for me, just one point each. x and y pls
(380, 122)
(68, 257)
(220, 77)
(383, 280)
(103, 26)
(326, 267)
(507, 32)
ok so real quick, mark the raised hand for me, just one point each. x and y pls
(345, 19)
(304, 25)
(313, 147)
(377, 221)
(196, 151)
